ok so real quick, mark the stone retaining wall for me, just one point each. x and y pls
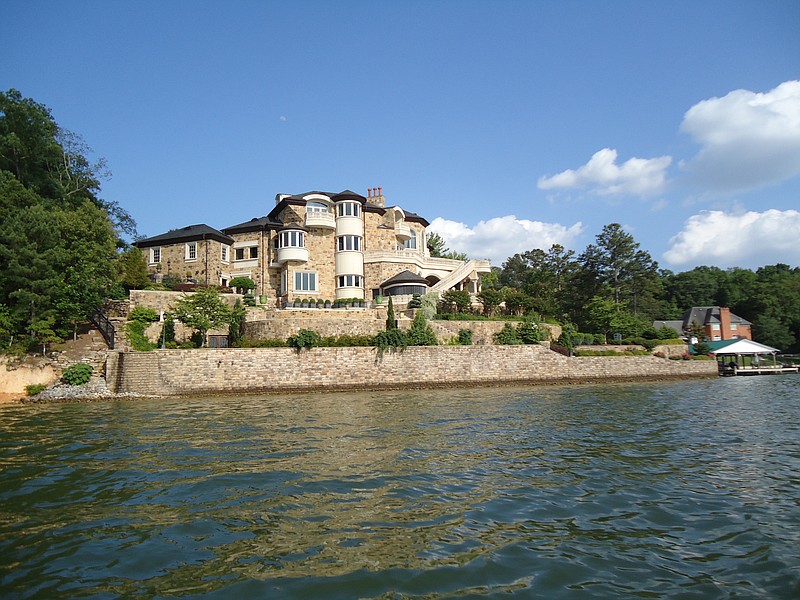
(273, 370)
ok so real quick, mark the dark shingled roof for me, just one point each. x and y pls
(185, 234)
(405, 277)
(254, 224)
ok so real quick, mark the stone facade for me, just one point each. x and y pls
(343, 245)
(282, 370)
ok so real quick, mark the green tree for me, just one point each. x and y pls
(202, 311)
(132, 269)
(420, 333)
(438, 248)
(455, 301)
(391, 320)
(616, 261)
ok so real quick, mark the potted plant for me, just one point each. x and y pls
(320, 303)
(296, 303)
(378, 299)
(304, 303)
(327, 303)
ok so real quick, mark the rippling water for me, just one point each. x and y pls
(675, 490)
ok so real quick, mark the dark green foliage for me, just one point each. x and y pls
(168, 330)
(262, 343)
(465, 337)
(391, 320)
(390, 339)
(136, 336)
(455, 301)
(58, 239)
(701, 349)
(143, 314)
(35, 388)
(237, 323)
(132, 269)
(77, 374)
(507, 336)
(420, 333)
(528, 331)
(305, 338)
(242, 283)
(346, 341)
(491, 300)
(415, 302)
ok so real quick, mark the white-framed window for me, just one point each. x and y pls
(348, 209)
(317, 207)
(717, 338)
(224, 253)
(715, 327)
(348, 242)
(291, 239)
(284, 289)
(734, 326)
(349, 281)
(305, 281)
(191, 251)
(411, 243)
(155, 255)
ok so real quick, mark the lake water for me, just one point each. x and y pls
(668, 490)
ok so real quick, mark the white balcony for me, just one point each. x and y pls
(292, 253)
(402, 231)
(320, 218)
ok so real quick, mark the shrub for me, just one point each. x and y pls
(507, 336)
(143, 314)
(390, 338)
(599, 339)
(139, 342)
(263, 343)
(242, 283)
(415, 302)
(465, 337)
(420, 333)
(77, 374)
(305, 338)
(528, 331)
(35, 388)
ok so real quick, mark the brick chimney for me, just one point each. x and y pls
(375, 197)
(725, 323)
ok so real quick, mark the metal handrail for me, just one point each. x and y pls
(106, 327)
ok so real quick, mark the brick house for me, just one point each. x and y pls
(317, 245)
(718, 323)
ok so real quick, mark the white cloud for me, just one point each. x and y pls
(501, 237)
(602, 174)
(747, 139)
(747, 240)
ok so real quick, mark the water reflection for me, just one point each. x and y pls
(550, 491)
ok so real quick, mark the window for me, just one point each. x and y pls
(155, 255)
(224, 253)
(734, 326)
(291, 239)
(349, 280)
(191, 251)
(317, 208)
(715, 327)
(349, 242)
(245, 253)
(411, 243)
(348, 209)
(305, 281)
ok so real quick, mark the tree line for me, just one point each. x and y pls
(615, 287)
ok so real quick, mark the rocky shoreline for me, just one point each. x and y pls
(96, 389)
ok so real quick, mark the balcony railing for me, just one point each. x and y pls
(320, 218)
(292, 253)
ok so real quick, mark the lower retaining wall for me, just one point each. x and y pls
(273, 370)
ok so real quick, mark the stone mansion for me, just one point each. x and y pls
(317, 245)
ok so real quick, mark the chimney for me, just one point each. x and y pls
(725, 323)
(376, 197)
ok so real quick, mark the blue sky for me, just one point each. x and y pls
(510, 125)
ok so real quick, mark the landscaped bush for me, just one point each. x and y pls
(263, 343)
(305, 338)
(135, 331)
(35, 388)
(390, 338)
(77, 374)
(465, 337)
(507, 336)
(143, 314)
